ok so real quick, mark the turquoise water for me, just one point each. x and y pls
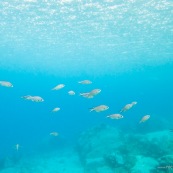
(123, 47)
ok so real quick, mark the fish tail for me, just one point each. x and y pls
(25, 97)
(91, 109)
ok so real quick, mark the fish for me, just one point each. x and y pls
(144, 118)
(33, 98)
(128, 106)
(54, 133)
(87, 95)
(56, 109)
(6, 84)
(58, 87)
(95, 92)
(99, 108)
(91, 94)
(86, 82)
(171, 130)
(17, 146)
(71, 93)
(115, 116)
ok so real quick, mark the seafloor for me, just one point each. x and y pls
(101, 149)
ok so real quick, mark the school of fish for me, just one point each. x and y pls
(90, 94)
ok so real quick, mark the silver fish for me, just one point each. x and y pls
(33, 98)
(86, 82)
(6, 84)
(128, 106)
(56, 109)
(71, 93)
(91, 94)
(115, 116)
(86, 95)
(99, 108)
(144, 118)
(95, 92)
(58, 87)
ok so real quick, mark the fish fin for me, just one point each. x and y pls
(90, 96)
(122, 110)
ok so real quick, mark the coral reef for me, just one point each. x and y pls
(105, 147)
(9, 161)
(144, 165)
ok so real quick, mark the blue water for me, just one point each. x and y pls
(123, 47)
